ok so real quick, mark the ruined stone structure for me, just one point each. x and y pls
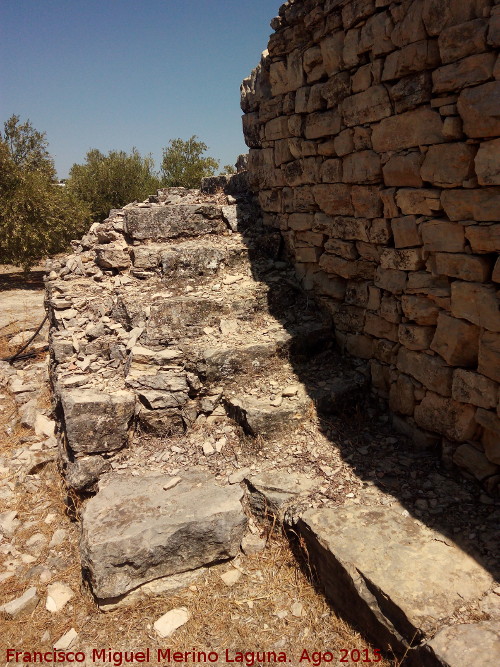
(373, 131)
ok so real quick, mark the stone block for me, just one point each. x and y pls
(331, 171)
(350, 55)
(309, 238)
(380, 231)
(362, 167)
(295, 75)
(453, 128)
(454, 420)
(346, 268)
(412, 128)
(322, 124)
(362, 138)
(419, 309)
(362, 79)
(421, 201)
(95, 421)
(409, 25)
(462, 266)
(277, 128)
(489, 355)
(478, 108)
(481, 205)
(496, 272)
(331, 51)
(448, 165)
(308, 254)
(405, 232)
(357, 293)
(431, 371)
(366, 201)
(295, 125)
(488, 163)
(391, 280)
(476, 303)
(329, 286)
(368, 251)
(408, 259)
(278, 78)
(474, 461)
(282, 152)
(462, 40)
(471, 387)
(415, 57)
(411, 91)
(442, 236)
(380, 327)
(313, 64)
(359, 346)
(467, 72)
(315, 102)
(357, 10)
(333, 199)
(270, 200)
(389, 203)
(415, 337)
(301, 221)
(349, 318)
(342, 248)
(373, 302)
(336, 89)
(402, 395)
(494, 30)
(457, 341)
(404, 170)
(491, 423)
(302, 172)
(366, 107)
(344, 143)
(390, 309)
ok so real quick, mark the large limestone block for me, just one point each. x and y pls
(463, 40)
(448, 165)
(258, 417)
(415, 57)
(489, 355)
(388, 573)
(457, 341)
(95, 421)
(467, 72)
(432, 372)
(481, 205)
(444, 415)
(488, 162)
(468, 644)
(478, 108)
(477, 303)
(136, 530)
(167, 222)
(366, 107)
(470, 387)
(413, 128)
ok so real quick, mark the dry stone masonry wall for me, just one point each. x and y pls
(373, 128)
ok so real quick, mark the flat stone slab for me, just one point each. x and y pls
(389, 574)
(24, 308)
(167, 222)
(468, 644)
(271, 492)
(137, 529)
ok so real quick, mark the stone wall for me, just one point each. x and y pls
(373, 130)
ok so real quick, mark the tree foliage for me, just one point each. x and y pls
(37, 217)
(110, 181)
(183, 164)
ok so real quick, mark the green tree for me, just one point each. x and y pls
(37, 217)
(183, 164)
(110, 181)
(229, 169)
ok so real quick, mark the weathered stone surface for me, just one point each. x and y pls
(446, 416)
(272, 492)
(404, 170)
(347, 268)
(167, 222)
(488, 163)
(134, 531)
(458, 645)
(478, 108)
(351, 229)
(432, 372)
(476, 303)
(389, 573)
(97, 422)
(448, 165)
(367, 201)
(407, 259)
(489, 355)
(112, 257)
(411, 91)
(336, 89)
(442, 236)
(421, 201)
(457, 341)
(258, 417)
(380, 327)
(467, 72)
(366, 107)
(322, 124)
(463, 266)
(474, 461)
(405, 232)
(471, 387)
(463, 40)
(481, 205)
(413, 128)
(82, 474)
(391, 280)
(361, 167)
(167, 624)
(334, 198)
(24, 604)
(415, 57)
(415, 337)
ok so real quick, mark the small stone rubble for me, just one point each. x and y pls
(189, 366)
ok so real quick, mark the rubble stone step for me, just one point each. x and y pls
(172, 221)
(138, 529)
(389, 574)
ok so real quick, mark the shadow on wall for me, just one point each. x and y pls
(359, 425)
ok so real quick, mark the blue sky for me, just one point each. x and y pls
(113, 74)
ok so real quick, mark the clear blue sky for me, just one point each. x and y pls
(113, 74)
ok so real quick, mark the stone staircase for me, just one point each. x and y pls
(196, 385)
